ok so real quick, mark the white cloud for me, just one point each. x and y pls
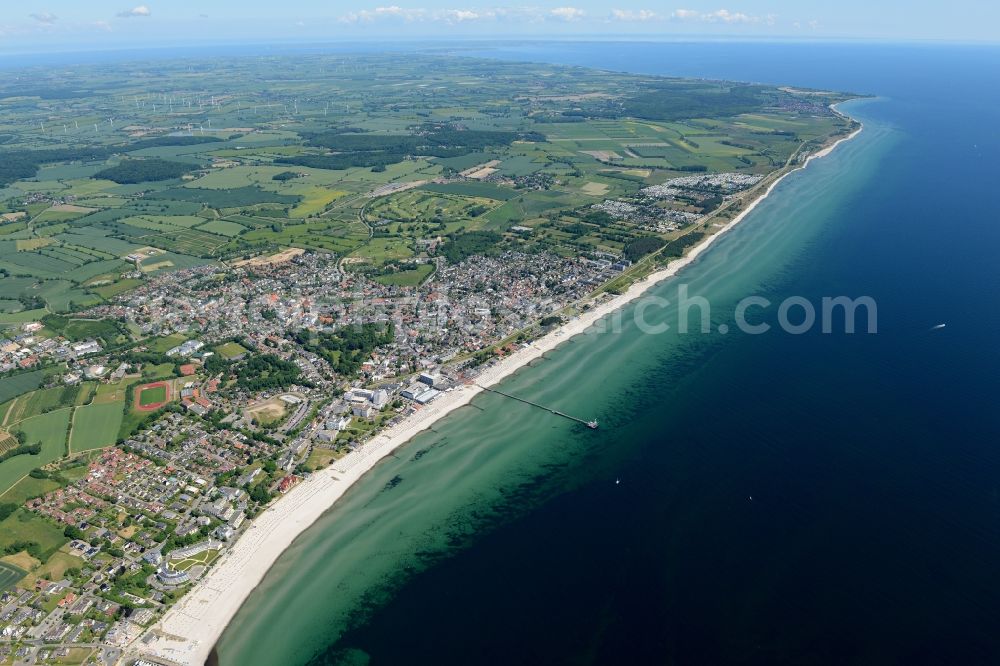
(102, 25)
(47, 18)
(463, 15)
(390, 12)
(567, 13)
(638, 15)
(141, 10)
(726, 16)
(396, 10)
(520, 14)
(720, 16)
(453, 16)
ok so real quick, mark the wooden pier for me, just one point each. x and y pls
(590, 424)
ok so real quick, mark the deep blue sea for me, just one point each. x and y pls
(750, 499)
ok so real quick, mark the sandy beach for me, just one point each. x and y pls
(188, 632)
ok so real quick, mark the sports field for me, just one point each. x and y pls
(152, 396)
(230, 350)
(9, 575)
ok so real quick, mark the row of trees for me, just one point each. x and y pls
(22, 450)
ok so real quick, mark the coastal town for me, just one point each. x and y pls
(149, 515)
(204, 344)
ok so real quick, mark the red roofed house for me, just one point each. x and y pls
(288, 482)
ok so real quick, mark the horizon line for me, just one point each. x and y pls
(88, 47)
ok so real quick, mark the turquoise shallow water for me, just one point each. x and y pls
(506, 535)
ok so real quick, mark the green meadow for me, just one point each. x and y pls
(95, 426)
(50, 430)
(23, 526)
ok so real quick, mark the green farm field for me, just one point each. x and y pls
(15, 385)
(407, 278)
(95, 426)
(50, 430)
(42, 401)
(26, 489)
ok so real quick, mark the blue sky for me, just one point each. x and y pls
(57, 24)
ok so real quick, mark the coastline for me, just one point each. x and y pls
(189, 631)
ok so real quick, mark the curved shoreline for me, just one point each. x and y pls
(189, 631)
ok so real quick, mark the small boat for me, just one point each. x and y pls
(592, 425)
(939, 326)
